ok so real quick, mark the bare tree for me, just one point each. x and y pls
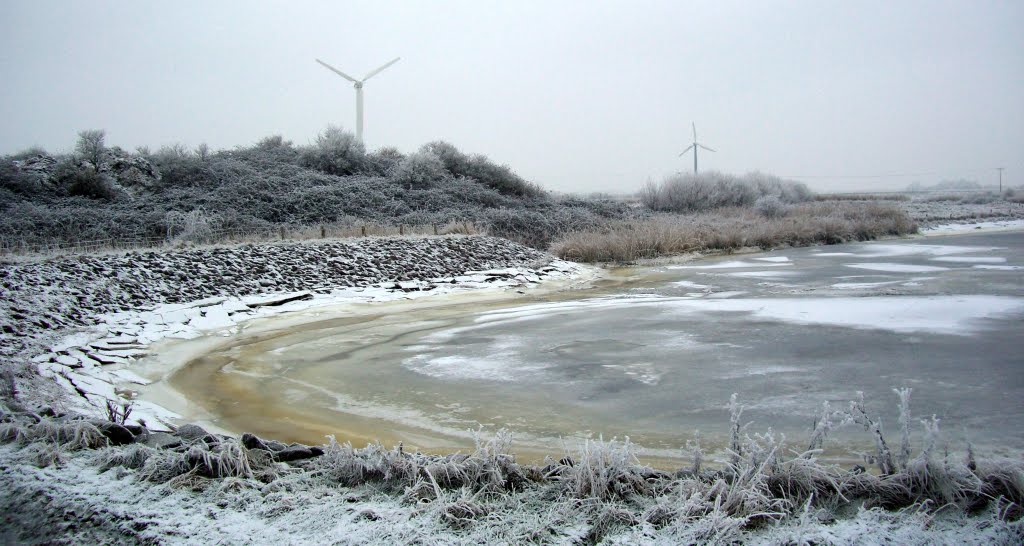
(91, 148)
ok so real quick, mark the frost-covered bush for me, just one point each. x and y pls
(771, 206)
(419, 171)
(83, 180)
(537, 226)
(1013, 195)
(713, 190)
(177, 167)
(17, 180)
(336, 152)
(260, 188)
(383, 160)
(482, 169)
(195, 226)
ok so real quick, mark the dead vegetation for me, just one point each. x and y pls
(602, 484)
(733, 228)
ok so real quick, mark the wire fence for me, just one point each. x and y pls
(11, 246)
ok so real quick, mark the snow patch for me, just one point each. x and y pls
(690, 284)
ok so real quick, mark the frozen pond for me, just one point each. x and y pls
(656, 356)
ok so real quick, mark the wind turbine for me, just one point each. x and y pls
(359, 90)
(694, 147)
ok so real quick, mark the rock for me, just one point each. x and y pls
(116, 434)
(191, 433)
(277, 299)
(40, 166)
(137, 430)
(297, 453)
(162, 440)
(251, 441)
(275, 445)
(131, 171)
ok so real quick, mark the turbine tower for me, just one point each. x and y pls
(694, 147)
(359, 90)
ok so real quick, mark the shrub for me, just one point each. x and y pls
(18, 181)
(177, 167)
(83, 180)
(28, 153)
(385, 160)
(482, 169)
(771, 206)
(195, 226)
(336, 152)
(712, 190)
(419, 170)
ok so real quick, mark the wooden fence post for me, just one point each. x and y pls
(401, 229)
(364, 231)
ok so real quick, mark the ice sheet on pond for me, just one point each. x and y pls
(765, 274)
(998, 267)
(894, 250)
(958, 315)
(971, 259)
(892, 267)
(733, 264)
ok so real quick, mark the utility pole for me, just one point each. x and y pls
(1000, 169)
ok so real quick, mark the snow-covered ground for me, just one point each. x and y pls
(970, 226)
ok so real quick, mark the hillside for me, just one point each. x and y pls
(107, 193)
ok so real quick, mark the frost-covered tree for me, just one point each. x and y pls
(91, 147)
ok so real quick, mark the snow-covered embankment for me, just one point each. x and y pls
(82, 321)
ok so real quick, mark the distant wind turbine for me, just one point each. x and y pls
(694, 147)
(359, 90)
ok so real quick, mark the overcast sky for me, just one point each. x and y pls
(577, 95)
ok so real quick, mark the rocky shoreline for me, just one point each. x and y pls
(80, 321)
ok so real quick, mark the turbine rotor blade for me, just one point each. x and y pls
(338, 72)
(705, 147)
(690, 147)
(694, 132)
(381, 69)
